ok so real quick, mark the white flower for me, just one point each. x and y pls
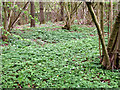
(39, 63)
(73, 68)
(66, 60)
(81, 72)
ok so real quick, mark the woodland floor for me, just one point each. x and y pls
(49, 57)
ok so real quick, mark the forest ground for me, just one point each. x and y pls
(50, 57)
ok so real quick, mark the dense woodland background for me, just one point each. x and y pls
(60, 44)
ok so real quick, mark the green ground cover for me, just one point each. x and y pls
(46, 58)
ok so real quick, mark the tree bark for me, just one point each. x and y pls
(7, 19)
(107, 63)
(102, 21)
(62, 11)
(114, 44)
(84, 14)
(5, 15)
(19, 15)
(111, 15)
(113, 34)
(108, 20)
(0, 14)
(70, 12)
(42, 18)
(102, 18)
(111, 58)
(0, 20)
(32, 10)
(4, 37)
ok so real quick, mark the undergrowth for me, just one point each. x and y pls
(47, 58)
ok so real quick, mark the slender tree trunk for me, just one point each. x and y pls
(108, 21)
(42, 18)
(113, 34)
(98, 14)
(117, 8)
(4, 37)
(114, 43)
(102, 18)
(20, 6)
(62, 11)
(70, 12)
(111, 58)
(0, 14)
(111, 15)
(46, 12)
(19, 15)
(5, 15)
(102, 21)
(119, 37)
(10, 17)
(32, 10)
(7, 19)
(107, 62)
(0, 20)
(68, 21)
(98, 11)
(118, 59)
(84, 13)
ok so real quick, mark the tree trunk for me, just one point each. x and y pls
(84, 14)
(114, 44)
(4, 37)
(107, 62)
(19, 15)
(111, 15)
(102, 21)
(62, 11)
(108, 20)
(70, 12)
(5, 15)
(98, 11)
(111, 58)
(68, 21)
(0, 14)
(8, 25)
(102, 18)
(42, 18)
(32, 14)
(98, 18)
(0, 19)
